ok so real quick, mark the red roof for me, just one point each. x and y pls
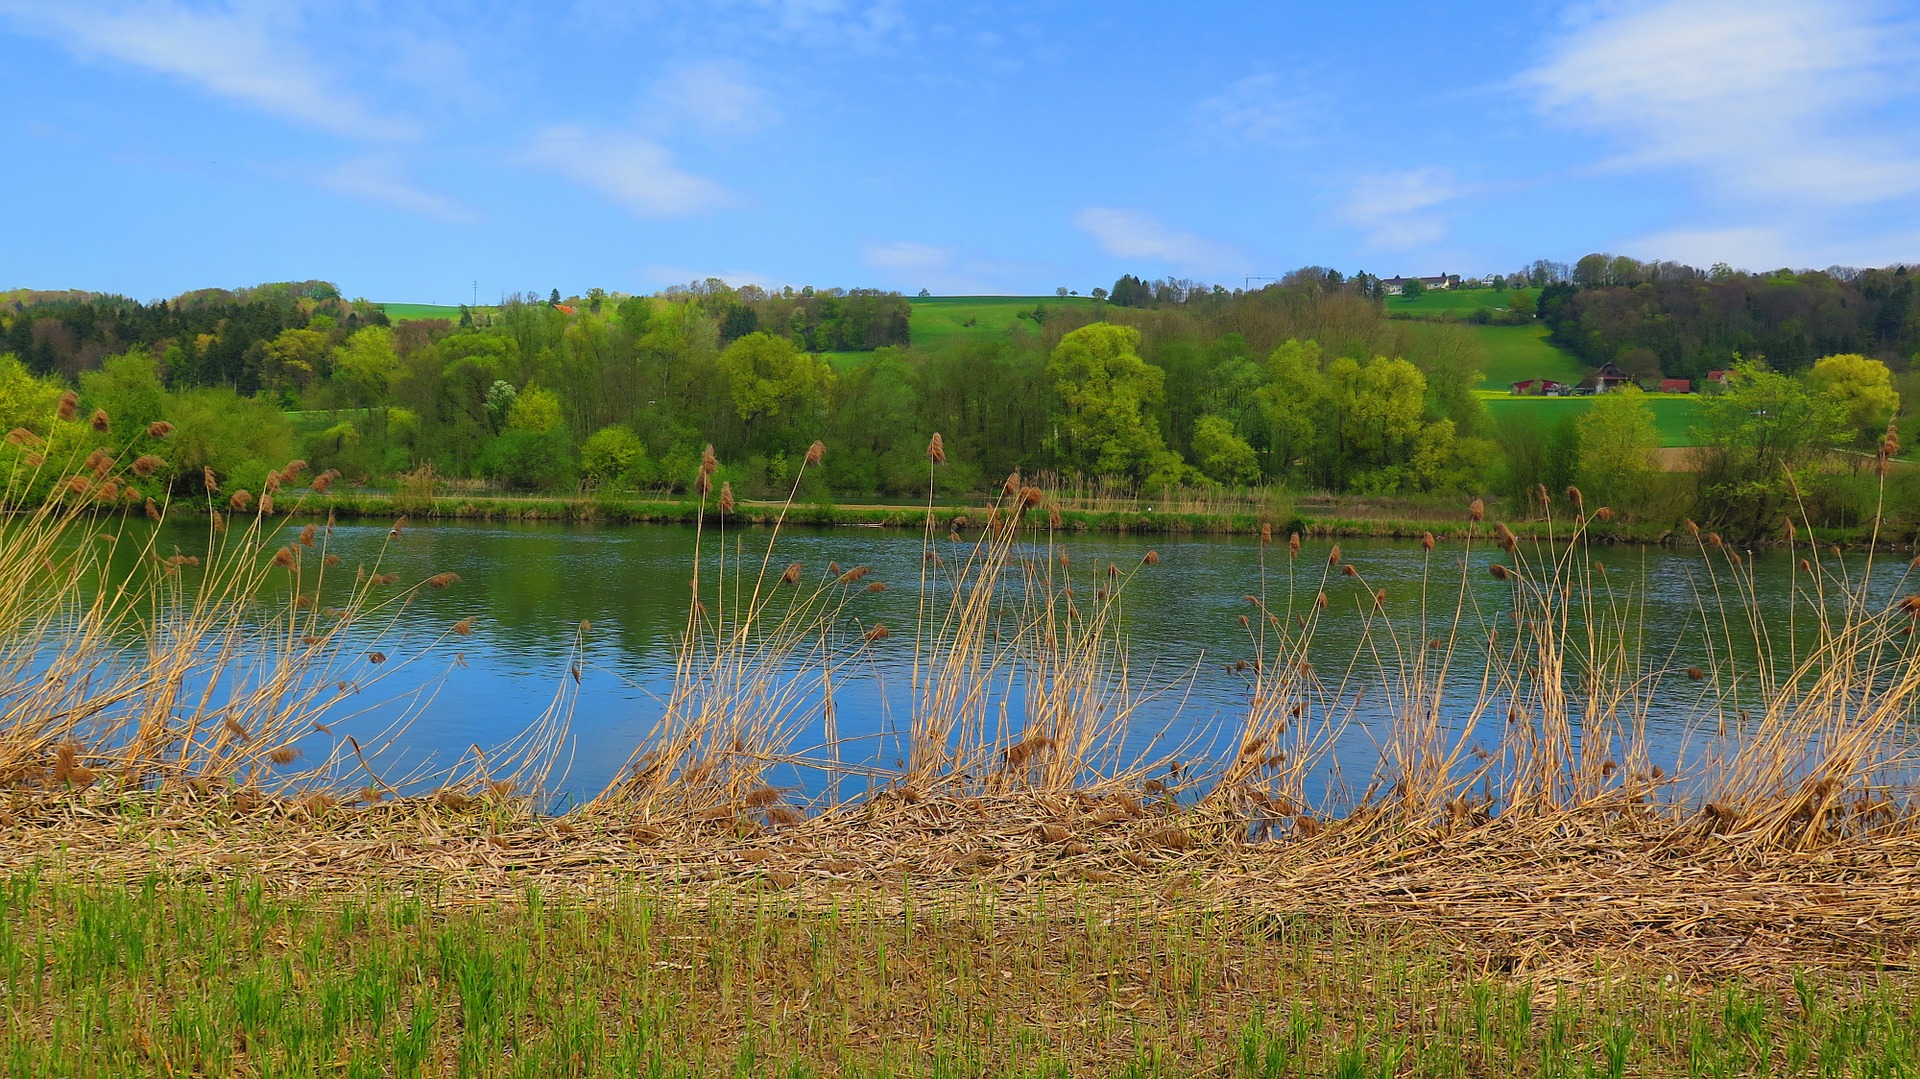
(563, 309)
(1676, 385)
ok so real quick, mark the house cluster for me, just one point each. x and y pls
(1395, 286)
(1608, 377)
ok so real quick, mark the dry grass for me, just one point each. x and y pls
(157, 715)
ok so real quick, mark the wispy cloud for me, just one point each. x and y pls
(1780, 100)
(1130, 234)
(952, 271)
(1400, 211)
(1255, 109)
(1774, 246)
(243, 53)
(712, 98)
(637, 173)
(381, 180)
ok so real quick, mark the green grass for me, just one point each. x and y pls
(939, 319)
(403, 312)
(1521, 352)
(1459, 302)
(1672, 414)
(215, 979)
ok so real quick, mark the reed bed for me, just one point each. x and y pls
(1518, 803)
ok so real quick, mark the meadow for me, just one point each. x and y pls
(1457, 302)
(1673, 414)
(403, 312)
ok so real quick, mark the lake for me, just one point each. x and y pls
(527, 587)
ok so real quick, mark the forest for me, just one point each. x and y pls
(1306, 384)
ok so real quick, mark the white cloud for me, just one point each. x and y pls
(1255, 108)
(637, 173)
(714, 98)
(1771, 247)
(1774, 100)
(1400, 211)
(379, 179)
(242, 53)
(906, 255)
(1130, 234)
(868, 25)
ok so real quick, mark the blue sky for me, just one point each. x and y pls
(406, 151)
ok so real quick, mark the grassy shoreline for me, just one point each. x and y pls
(1312, 522)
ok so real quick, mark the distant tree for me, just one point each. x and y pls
(466, 317)
(924, 292)
(1413, 289)
(1106, 392)
(1619, 441)
(613, 456)
(767, 377)
(1100, 294)
(1641, 363)
(1221, 454)
(554, 296)
(595, 297)
(1765, 426)
(1130, 291)
(1520, 303)
(1061, 291)
(1863, 390)
(365, 364)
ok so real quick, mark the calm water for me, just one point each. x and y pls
(528, 586)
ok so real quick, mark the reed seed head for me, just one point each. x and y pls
(1603, 514)
(20, 436)
(69, 405)
(1011, 487)
(815, 453)
(307, 534)
(792, 574)
(1574, 495)
(877, 633)
(442, 580)
(79, 485)
(294, 469)
(376, 657)
(1151, 558)
(159, 429)
(464, 627)
(99, 462)
(153, 511)
(1293, 545)
(1500, 572)
(937, 449)
(240, 499)
(324, 480)
(34, 460)
(1333, 556)
(876, 586)
(1696, 673)
(1426, 541)
(284, 756)
(330, 560)
(1348, 571)
(726, 497)
(285, 558)
(266, 504)
(1477, 510)
(147, 464)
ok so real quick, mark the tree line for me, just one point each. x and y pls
(1304, 383)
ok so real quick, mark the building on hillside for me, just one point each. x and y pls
(564, 308)
(1676, 385)
(1394, 286)
(1538, 387)
(1605, 379)
(1718, 380)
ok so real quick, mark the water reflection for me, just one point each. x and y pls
(528, 586)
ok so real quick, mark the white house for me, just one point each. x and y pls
(1394, 286)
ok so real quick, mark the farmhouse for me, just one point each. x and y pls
(1538, 387)
(1605, 379)
(1676, 385)
(1394, 286)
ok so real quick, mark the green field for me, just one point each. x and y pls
(405, 312)
(1459, 302)
(1672, 413)
(939, 319)
(1522, 352)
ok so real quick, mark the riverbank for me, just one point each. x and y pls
(1313, 517)
(1032, 936)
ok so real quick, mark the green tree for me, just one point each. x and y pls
(1863, 390)
(1619, 448)
(237, 438)
(613, 457)
(1293, 401)
(1412, 289)
(1764, 427)
(25, 400)
(128, 387)
(364, 366)
(1106, 392)
(537, 410)
(293, 359)
(768, 377)
(1221, 454)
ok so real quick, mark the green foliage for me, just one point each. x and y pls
(1764, 429)
(536, 410)
(128, 387)
(1105, 390)
(613, 456)
(767, 377)
(25, 401)
(1619, 443)
(365, 366)
(1862, 389)
(1223, 456)
(239, 439)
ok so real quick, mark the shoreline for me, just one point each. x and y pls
(1309, 525)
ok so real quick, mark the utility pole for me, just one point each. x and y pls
(476, 292)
